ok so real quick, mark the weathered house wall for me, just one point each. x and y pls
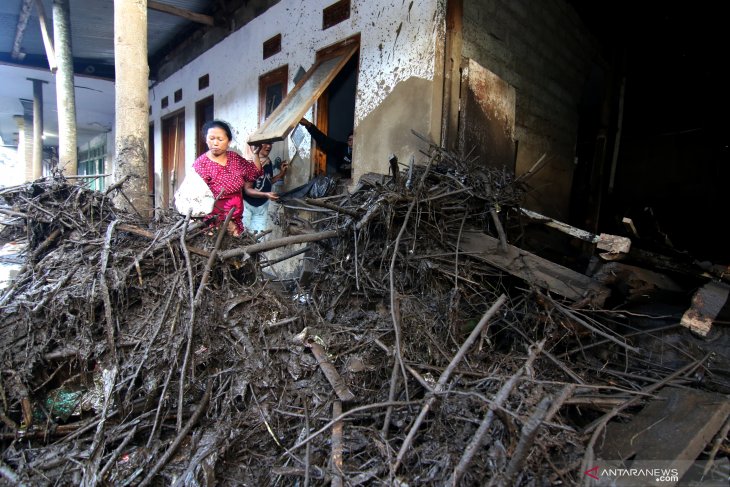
(543, 50)
(394, 85)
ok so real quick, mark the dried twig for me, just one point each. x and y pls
(445, 376)
(328, 369)
(190, 325)
(105, 294)
(350, 412)
(307, 451)
(180, 436)
(496, 403)
(276, 243)
(337, 446)
(527, 438)
(394, 309)
(211, 259)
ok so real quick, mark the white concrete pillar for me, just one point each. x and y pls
(37, 127)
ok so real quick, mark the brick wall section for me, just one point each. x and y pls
(545, 52)
(28, 147)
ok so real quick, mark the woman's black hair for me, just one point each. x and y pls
(217, 124)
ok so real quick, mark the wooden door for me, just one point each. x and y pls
(173, 155)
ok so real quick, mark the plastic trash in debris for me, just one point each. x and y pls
(303, 298)
(194, 195)
(60, 404)
(322, 186)
(103, 383)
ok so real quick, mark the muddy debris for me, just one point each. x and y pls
(156, 353)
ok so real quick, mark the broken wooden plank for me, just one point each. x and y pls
(536, 270)
(330, 372)
(614, 245)
(630, 227)
(669, 434)
(181, 12)
(707, 303)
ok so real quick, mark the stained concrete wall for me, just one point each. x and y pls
(545, 52)
(398, 54)
(398, 42)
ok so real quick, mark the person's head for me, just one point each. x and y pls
(218, 136)
(349, 140)
(265, 150)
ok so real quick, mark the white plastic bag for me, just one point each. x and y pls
(194, 195)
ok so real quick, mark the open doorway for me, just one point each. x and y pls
(330, 85)
(204, 110)
(173, 155)
(151, 165)
(335, 111)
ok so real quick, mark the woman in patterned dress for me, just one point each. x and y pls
(225, 172)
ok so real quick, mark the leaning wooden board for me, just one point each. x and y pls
(536, 270)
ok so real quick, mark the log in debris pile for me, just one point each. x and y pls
(138, 353)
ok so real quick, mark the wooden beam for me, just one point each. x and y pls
(534, 269)
(47, 42)
(613, 244)
(670, 432)
(707, 305)
(23, 18)
(186, 14)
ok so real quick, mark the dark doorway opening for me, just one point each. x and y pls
(204, 110)
(336, 111)
(341, 105)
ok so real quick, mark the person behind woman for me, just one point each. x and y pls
(256, 195)
(225, 172)
(339, 154)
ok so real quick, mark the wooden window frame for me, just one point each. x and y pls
(276, 76)
(92, 162)
(200, 143)
(203, 82)
(271, 46)
(305, 94)
(336, 13)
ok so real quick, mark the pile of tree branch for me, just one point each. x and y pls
(139, 353)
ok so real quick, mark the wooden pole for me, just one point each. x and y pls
(132, 104)
(65, 95)
(180, 12)
(37, 127)
(23, 17)
(47, 43)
